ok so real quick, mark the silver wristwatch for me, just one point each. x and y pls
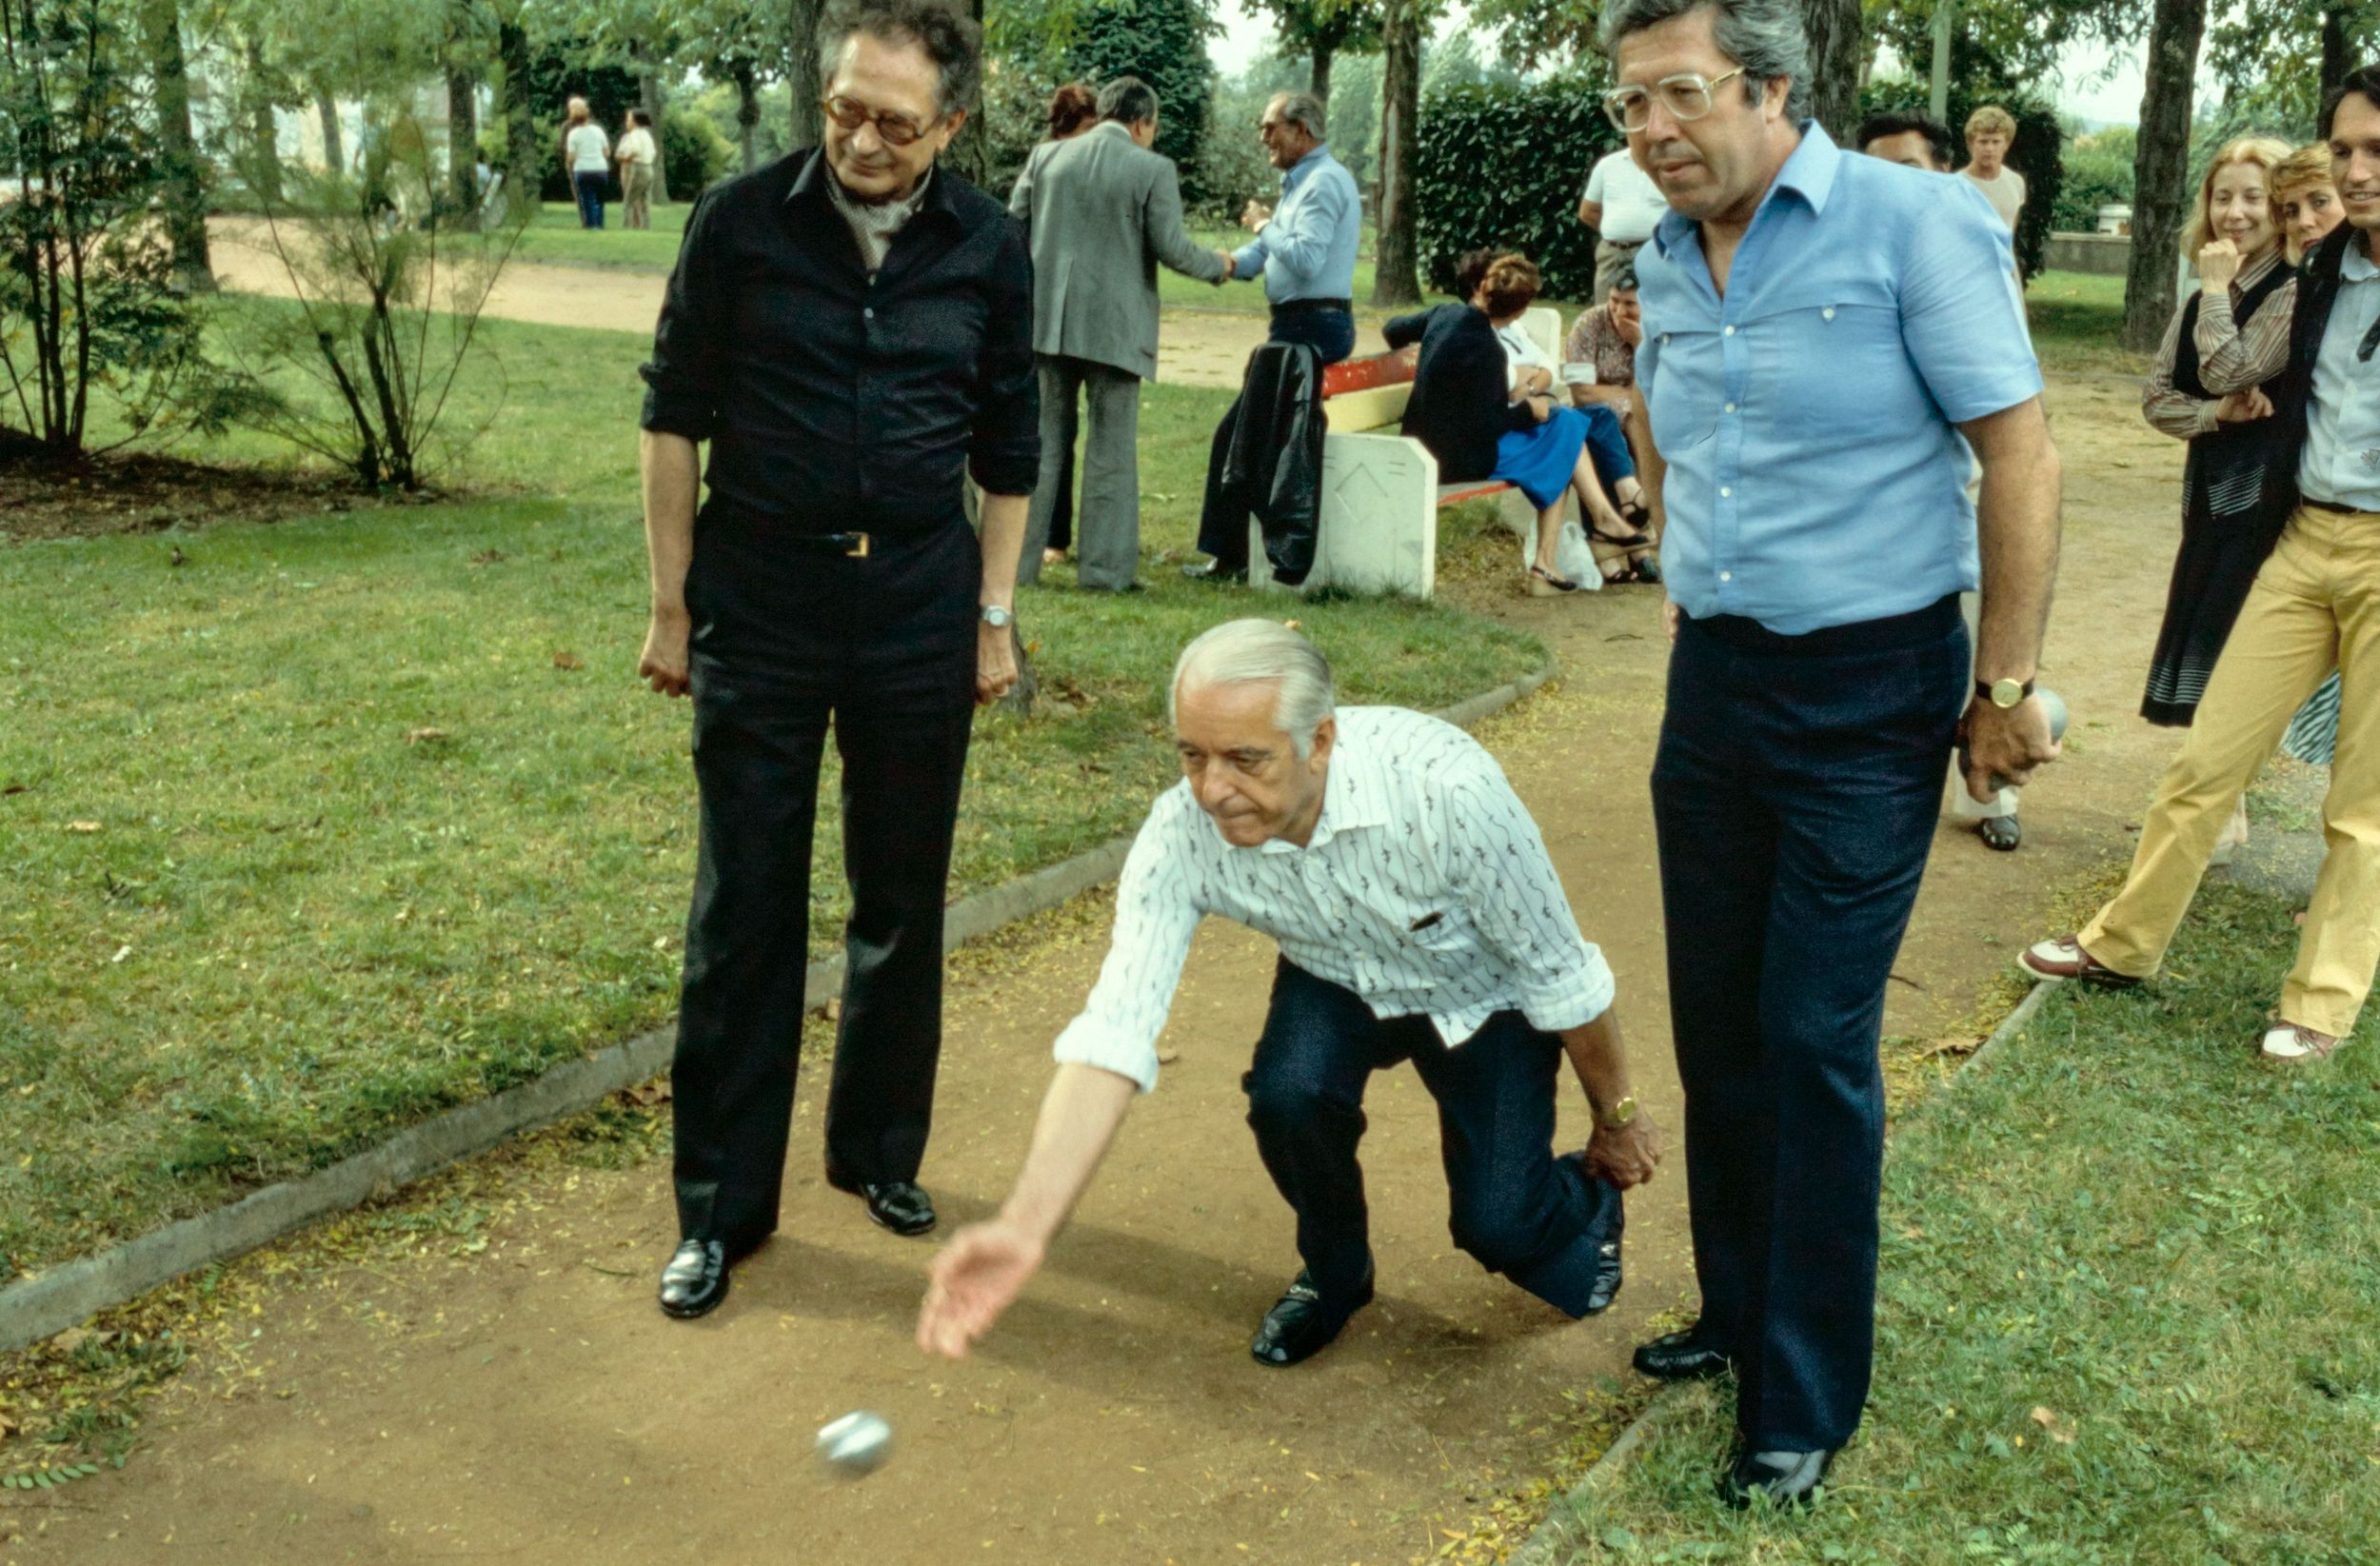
(998, 618)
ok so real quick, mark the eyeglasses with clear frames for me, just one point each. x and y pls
(897, 130)
(1685, 96)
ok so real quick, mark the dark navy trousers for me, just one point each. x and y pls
(1795, 794)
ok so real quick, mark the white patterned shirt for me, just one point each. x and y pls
(1425, 889)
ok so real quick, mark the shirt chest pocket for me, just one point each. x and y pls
(1812, 350)
(1689, 387)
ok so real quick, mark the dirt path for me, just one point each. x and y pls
(529, 1403)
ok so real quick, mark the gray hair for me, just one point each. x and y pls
(1248, 652)
(1763, 36)
(1306, 111)
(948, 36)
(1127, 100)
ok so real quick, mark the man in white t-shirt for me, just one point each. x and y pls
(1621, 204)
(1990, 131)
(636, 155)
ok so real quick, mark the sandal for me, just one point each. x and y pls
(1637, 514)
(1619, 540)
(2000, 832)
(1544, 583)
(2293, 1041)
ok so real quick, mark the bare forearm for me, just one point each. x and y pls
(1079, 1115)
(1004, 536)
(1597, 1054)
(2018, 530)
(672, 482)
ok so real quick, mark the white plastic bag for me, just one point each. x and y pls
(1572, 559)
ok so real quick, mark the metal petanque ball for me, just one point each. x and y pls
(856, 1444)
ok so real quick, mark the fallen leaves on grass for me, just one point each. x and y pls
(566, 659)
(85, 826)
(645, 1095)
(2056, 1423)
(426, 736)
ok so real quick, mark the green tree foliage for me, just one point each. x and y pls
(89, 301)
(2274, 56)
(2098, 174)
(1162, 42)
(698, 152)
(1500, 164)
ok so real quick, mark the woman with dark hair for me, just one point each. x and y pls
(1073, 109)
(1482, 421)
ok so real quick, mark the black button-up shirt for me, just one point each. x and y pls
(833, 400)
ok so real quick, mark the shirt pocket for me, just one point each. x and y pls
(1812, 344)
(1689, 388)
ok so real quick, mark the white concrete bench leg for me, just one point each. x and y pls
(1378, 522)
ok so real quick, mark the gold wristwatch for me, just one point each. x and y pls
(2003, 693)
(1619, 1115)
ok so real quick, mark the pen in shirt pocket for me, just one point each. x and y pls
(1424, 923)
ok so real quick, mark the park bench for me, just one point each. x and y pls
(1377, 531)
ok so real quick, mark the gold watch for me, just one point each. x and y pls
(1619, 1115)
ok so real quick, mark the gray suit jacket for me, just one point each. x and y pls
(1102, 212)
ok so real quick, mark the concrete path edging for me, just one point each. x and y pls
(66, 1295)
(1544, 1547)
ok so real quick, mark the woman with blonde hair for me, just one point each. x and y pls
(587, 157)
(2227, 339)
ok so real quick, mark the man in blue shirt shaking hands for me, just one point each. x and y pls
(1827, 338)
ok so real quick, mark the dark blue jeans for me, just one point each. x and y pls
(1609, 444)
(1795, 794)
(1518, 1211)
(1329, 333)
(589, 187)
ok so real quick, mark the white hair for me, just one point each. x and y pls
(1247, 652)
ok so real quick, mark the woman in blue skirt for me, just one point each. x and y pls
(1481, 421)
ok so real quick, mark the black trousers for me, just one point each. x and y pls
(1516, 1209)
(1330, 333)
(1795, 794)
(788, 641)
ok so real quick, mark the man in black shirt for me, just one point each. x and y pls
(851, 330)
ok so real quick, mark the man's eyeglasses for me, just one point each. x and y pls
(1685, 96)
(897, 130)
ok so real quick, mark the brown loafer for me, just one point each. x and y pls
(2061, 958)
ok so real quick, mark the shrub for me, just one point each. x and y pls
(1162, 42)
(2098, 174)
(694, 151)
(1501, 164)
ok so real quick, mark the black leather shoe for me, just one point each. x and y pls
(897, 1204)
(1679, 1357)
(696, 1279)
(1215, 572)
(1787, 1478)
(1301, 1323)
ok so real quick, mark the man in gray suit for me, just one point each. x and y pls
(1102, 212)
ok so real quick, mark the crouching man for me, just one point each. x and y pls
(1419, 920)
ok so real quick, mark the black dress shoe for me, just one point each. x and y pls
(696, 1279)
(1216, 572)
(1301, 1323)
(1787, 1478)
(897, 1204)
(1680, 1357)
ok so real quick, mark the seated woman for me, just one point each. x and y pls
(1607, 338)
(1479, 424)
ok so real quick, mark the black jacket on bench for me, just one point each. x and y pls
(1461, 399)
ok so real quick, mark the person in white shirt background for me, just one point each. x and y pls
(636, 155)
(1990, 131)
(587, 156)
(1419, 919)
(1621, 204)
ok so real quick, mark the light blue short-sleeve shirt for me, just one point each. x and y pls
(1815, 475)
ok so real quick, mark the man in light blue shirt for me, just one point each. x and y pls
(1827, 338)
(1304, 249)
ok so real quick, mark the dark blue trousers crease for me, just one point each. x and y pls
(1795, 794)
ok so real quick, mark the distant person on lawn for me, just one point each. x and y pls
(851, 330)
(637, 155)
(1073, 108)
(1909, 137)
(1419, 919)
(1621, 204)
(1103, 213)
(587, 154)
(1991, 133)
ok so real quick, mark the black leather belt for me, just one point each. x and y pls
(2333, 507)
(853, 545)
(1346, 306)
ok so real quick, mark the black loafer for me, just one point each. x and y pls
(1786, 1479)
(696, 1279)
(897, 1204)
(1301, 1323)
(1217, 574)
(1680, 1357)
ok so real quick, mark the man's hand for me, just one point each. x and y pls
(1671, 614)
(1625, 1155)
(2010, 742)
(977, 1275)
(1536, 378)
(995, 662)
(2218, 263)
(2244, 407)
(1541, 405)
(1231, 265)
(664, 662)
(1254, 215)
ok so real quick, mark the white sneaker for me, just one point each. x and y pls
(2288, 1041)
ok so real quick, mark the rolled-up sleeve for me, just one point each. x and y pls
(681, 390)
(1962, 314)
(1498, 864)
(1157, 913)
(1005, 453)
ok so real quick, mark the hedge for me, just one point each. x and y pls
(1502, 164)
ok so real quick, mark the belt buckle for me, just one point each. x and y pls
(859, 550)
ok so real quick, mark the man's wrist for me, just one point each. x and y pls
(670, 608)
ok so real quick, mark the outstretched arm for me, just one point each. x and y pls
(983, 1268)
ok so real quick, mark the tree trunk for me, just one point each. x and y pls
(1836, 49)
(463, 142)
(649, 92)
(801, 73)
(1938, 92)
(523, 165)
(177, 148)
(1395, 275)
(1318, 78)
(747, 112)
(334, 140)
(2161, 169)
(264, 142)
(2337, 61)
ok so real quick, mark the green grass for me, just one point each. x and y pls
(354, 817)
(2129, 1311)
(2078, 323)
(556, 239)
